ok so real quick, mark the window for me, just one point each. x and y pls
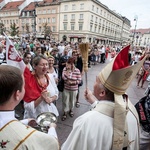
(73, 7)
(48, 11)
(91, 26)
(73, 16)
(97, 10)
(53, 20)
(96, 19)
(66, 7)
(39, 20)
(100, 21)
(48, 20)
(44, 11)
(23, 14)
(80, 26)
(91, 17)
(65, 26)
(27, 13)
(104, 14)
(39, 12)
(32, 21)
(65, 17)
(81, 6)
(72, 27)
(53, 11)
(81, 16)
(40, 29)
(92, 7)
(95, 28)
(16, 21)
(53, 28)
(99, 29)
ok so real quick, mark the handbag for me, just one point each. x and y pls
(143, 109)
(81, 83)
(60, 85)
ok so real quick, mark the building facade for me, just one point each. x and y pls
(28, 20)
(71, 20)
(91, 21)
(47, 13)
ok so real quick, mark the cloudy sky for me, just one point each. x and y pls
(130, 9)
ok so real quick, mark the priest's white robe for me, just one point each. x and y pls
(94, 131)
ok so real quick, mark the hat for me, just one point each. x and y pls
(116, 77)
(71, 60)
(118, 74)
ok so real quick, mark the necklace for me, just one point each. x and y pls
(43, 85)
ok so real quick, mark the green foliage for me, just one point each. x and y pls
(14, 30)
(2, 28)
(46, 30)
(27, 28)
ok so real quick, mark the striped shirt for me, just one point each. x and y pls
(74, 77)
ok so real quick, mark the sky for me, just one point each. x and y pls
(131, 9)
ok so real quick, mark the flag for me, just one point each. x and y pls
(12, 56)
(14, 59)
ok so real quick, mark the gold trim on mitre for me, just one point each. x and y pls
(116, 77)
(119, 80)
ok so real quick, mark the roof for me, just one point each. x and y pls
(44, 2)
(30, 7)
(12, 5)
(1, 1)
(142, 31)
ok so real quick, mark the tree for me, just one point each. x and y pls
(2, 28)
(27, 28)
(46, 30)
(14, 30)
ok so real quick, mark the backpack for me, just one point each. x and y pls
(143, 109)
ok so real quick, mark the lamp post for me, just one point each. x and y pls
(135, 19)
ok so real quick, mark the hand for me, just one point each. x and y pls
(53, 125)
(44, 94)
(49, 100)
(32, 122)
(89, 96)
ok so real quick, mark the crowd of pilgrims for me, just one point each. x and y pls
(55, 67)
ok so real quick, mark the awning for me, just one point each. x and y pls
(76, 36)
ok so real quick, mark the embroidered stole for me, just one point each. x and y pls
(13, 134)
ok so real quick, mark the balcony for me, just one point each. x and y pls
(72, 20)
(81, 20)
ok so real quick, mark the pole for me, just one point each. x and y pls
(135, 19)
